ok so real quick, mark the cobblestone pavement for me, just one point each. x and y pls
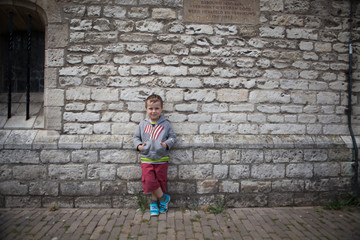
(235, 223)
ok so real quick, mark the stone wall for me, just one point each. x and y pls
(42, 168)
(260, 110)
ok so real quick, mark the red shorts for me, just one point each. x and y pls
(154, 176)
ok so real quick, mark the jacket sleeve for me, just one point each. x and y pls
(137, 137)
(171, 137)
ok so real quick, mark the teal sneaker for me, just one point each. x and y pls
(154, 209)
(164, 204)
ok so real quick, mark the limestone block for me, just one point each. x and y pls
(300, 170)
(104, 70)
(81, 117)
(233, 96)
(123, 128)
(129, 172)
(149, 26)
(57, 35)
(80, 188)
(171, 60)
(113, 188)
(179, 157)
(73, 71)
(174, 117)
(263, 96)
(102, 128)
(207, 186)
(95, 59)
(229, 117)
(282, 129)
(215, 107)
(102, 25)
(201, 171)
(139, 70)
(199, 117)
(239, 171)
(301, 33)
(163, 13)
(218, 129)
(272, 5)
(19, 156)
(200, 71)
(71, 141)
(327, 169)
(221, 171)
(169, 70)
(84, 156)
(20, 139)
(93, 11)
(54, 98)
(115, 48)
(282, 199)
(272, 32)
(137, 39)
(186, 128)
(268, 171)
(78, 128)
(229, 187)
(114, 12)
(105, 94)
(67, 172)
(200, 95)
(55, 156)
(225, 72)
(118, 156)
(151, 59)
(101, 171)
(13, 188)
(288, 185)
(44, 188)
(181, 187)
(160, 48)
(249, 186)
(69, 81)
(199, 29)
(199, 50)
(139, 12)
(29, 172)
(180, 49)
(80, 25)
(176, 27)
(101, 37)
(207, 156)
(248, 129)
(137, 48)
(102, 141)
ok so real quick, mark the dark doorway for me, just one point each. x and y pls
(20, 49)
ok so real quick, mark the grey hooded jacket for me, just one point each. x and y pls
(153, 151)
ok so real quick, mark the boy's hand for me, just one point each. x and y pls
(164, 145)
(140, 147)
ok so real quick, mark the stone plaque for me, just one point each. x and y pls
(222, 11)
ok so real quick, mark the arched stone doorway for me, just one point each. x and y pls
(45, 25)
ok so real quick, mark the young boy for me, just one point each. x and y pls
(153, 138)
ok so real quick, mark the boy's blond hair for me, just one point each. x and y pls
(153, 99)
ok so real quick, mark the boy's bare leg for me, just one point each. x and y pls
(158, 193)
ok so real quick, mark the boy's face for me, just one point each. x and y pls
(154, 110)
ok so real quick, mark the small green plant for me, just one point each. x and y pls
(219, 207)
(341, 201)
(182, 209)
(142, 201)
(53, 208)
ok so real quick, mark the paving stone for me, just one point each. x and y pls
(237, 223)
